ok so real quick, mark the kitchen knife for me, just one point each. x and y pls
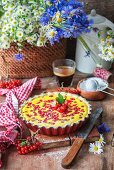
(80, 138)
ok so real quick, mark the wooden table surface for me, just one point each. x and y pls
(51, 159)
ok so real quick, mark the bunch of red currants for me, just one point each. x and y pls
(25, 146)
(10, 84)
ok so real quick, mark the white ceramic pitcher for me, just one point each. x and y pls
(85, 62)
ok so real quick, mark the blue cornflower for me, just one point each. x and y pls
(75, 3)
(67, 34)
(56, 38)
(74, 19)
(45, 19)
(103, 128)
(19, 56)
(51, 11)
(66, 11)
(76, 34)
(51, 1)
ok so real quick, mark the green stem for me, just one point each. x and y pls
(84, 43)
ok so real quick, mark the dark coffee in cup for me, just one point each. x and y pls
(64, 75)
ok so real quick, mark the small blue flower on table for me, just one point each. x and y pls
(103, 128)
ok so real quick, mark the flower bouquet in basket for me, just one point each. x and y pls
(26, 25)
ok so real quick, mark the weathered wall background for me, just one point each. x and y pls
(103, 7)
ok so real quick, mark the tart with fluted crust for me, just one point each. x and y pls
(55, 113)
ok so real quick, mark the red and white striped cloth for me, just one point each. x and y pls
(8, 110)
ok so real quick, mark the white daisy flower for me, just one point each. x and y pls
(19, 33)
(19, 7)
(101, 140)
(4, 2)
(22, 23)
(7, 14)
(57, 17)
(29, 29)
(5, 22)
(110, 53)
(5, 28)
(9, 26)
(13, 21)
(28, 20)
(23, 10)
(111, 48)
(36, 12)
(11, 6)
(51, 33)
(5, 45)
(34, 37)
(4, 38)
(41, 10)
(31, 38)
(48, 2)
(41, 41)
(6, 6)
(96, 148)
(20, 10)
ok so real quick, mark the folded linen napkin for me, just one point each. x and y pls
(9, 110)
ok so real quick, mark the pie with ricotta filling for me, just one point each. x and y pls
(55, 109)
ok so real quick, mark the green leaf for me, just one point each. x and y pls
(99, 34)
(1, 11)
(23, 143)
(60, 99)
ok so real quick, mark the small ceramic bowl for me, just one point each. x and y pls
(90, 94)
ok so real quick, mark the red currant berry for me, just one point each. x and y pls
(18, 147)
(2, 84)
(20, 152)
(28, 138)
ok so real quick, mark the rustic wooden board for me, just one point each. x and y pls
(65, 140)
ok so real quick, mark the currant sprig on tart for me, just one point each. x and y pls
(65, 89)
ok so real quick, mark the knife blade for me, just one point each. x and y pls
(80, 138)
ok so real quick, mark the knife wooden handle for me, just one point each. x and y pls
(67, 160)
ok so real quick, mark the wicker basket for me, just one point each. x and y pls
(37, 60)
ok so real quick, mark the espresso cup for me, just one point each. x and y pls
(64, 70)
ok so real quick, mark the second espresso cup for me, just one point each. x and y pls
(64, 70)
